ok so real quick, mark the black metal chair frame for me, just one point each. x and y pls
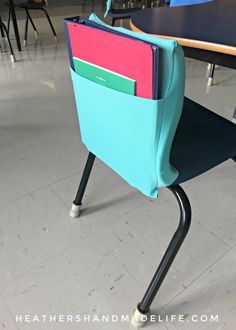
(27, 8)
(143, 308)
(4, 32)
(175, 243)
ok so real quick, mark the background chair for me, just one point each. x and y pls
(32, 5)
(4, 32)
(190, 141)
(119, 13)
(176, 3)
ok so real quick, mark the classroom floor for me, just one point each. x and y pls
(101, 263)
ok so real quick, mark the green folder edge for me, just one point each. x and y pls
(104, 76)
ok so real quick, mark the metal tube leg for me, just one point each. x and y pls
(8, 21)
(1, 28)
(113, 22)
(76, 205)
(9, 43)
(26, 29)
(32, 23)
(15, 25)
(172, 250)
(50, 23)
(211, 75)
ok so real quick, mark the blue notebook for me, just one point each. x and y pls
(155, 48)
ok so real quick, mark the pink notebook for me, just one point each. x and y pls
(116, 53)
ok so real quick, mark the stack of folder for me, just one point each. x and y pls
(113, 59)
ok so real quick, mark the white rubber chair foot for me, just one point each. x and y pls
(55, 38)
(25, 43)
(13, 59)
(36, 34)
(210, 82)
(139, 319)
(75, 211)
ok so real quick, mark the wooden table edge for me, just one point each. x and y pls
(219, 48)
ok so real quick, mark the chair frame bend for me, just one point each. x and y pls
(143, 307)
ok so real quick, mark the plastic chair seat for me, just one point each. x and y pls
(202, 141)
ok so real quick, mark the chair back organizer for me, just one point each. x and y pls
(150, 143)
(140, 152)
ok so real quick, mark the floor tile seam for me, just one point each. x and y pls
(46, 260)
(40, 188)
(196, 278)
(9, 309)
(215, 235)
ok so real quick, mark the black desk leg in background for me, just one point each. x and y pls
(15, 25)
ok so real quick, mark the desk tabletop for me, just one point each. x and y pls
(210, 26)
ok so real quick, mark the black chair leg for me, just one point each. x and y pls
(113, 22)
(76, 205)
(50, 23)
(32, 23)
(8, 21)
(26, 29)
(8, 40)
(143, 308)
(1, 29)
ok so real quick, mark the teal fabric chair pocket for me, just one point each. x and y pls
(121, 130)
(130, 134)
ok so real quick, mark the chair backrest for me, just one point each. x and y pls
(133, 135)
(176, 3)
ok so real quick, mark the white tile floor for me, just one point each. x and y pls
(101, 263)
